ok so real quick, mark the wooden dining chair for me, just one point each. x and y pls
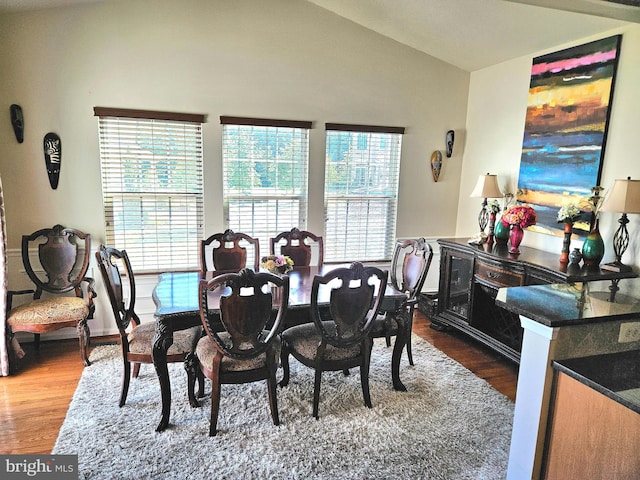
(252, 310)
(342, 340)
(300, 246)
(63, 294)
(409, 268)
(227, 251)
(136, 338)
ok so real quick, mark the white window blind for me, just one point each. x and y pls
(265, 169)
(361, 192)
(152, 186)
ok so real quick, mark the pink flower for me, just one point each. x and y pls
(522, 215)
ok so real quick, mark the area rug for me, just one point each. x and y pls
(450, 424)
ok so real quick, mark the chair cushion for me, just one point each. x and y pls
(206, 351)
(49, 310)
(141, 339)
(304, 340)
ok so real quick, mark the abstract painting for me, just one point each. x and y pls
(566, 129)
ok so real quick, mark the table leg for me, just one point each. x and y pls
(398, 347)
(162, 340)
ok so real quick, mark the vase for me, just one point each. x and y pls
(566, 242)
(515, 237)
(501, 233)
(593, 246)
(575, 257)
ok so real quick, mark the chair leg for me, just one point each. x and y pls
(316, 392)
(364, 373)
(191, 363)
(200, 378)
(126, 376)
(409, 330)
(136, 369)
(215, 394)
(284, 360)
(273, 397)
(83, 336)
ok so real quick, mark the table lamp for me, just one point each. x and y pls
(487, 187)
(624, 198)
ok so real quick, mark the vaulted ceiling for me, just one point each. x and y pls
(470, 34)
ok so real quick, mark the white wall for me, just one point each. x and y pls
(495, 123)
(279, 59)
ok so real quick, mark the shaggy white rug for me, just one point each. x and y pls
(448, 425)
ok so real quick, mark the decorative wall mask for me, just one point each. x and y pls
(450, 138)
(52, 157)
(17, 120)
(436, 164)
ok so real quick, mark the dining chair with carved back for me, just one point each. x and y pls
(63, 294)
(342, 340)
(136, 338)
(252, 308)
(301, 246)
(227, 251)
(409, 268)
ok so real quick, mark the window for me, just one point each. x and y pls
(361, 191)
(265, 169)
(152, 186)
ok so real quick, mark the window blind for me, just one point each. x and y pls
(362, 168)
(265, 170)
(152, 186)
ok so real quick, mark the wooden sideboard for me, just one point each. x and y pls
(470, 276)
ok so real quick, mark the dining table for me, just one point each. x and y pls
(176, 297)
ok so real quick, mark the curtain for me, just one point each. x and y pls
(4, 347)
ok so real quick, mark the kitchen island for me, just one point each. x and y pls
(562, 321)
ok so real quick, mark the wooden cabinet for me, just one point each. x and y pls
(470, 276)
(590, 435)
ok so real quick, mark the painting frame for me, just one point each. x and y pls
(566, 127)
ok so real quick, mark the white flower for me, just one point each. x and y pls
(569, 213)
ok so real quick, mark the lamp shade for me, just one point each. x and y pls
(487, 187)
(624, 197)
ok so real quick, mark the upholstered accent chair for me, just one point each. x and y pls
(341, 340)
(136, 338)
(252, 310)
(409, 268)
(63, 294)
(300, 245)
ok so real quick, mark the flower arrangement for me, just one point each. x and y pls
(522, 215)
(278, 264)
(569, 213)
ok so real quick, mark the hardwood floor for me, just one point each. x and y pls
(35, 400)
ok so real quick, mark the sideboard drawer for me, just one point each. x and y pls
(499, 277)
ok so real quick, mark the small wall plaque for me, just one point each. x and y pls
(17, 121)
(52, 157)
(436, 164)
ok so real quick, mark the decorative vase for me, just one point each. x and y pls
(593, 246)
(575, 257)
(515, 237)
(566, 242)
(501, 233)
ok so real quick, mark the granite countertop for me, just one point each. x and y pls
(557, 305)
(616, 375)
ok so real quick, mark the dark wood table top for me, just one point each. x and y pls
(177, 292)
